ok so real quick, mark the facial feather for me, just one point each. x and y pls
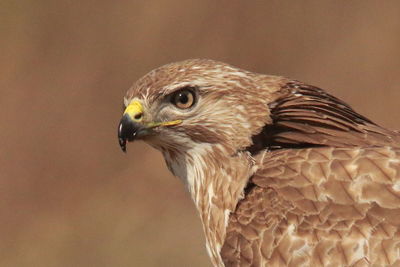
(227, 112)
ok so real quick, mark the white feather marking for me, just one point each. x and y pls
(241, 108)
(227, 213)
(195, 169)
(208, 249)
(126, 102)
(290, 229)
(305, 249)
(301, 251)
(225, 174)
(352, 167)
(211, 193)
(396, 186)
(359, 252)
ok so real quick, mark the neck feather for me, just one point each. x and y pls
(216, 183)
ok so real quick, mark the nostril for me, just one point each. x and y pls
(138, 116)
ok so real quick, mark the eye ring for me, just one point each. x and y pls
(184, 98)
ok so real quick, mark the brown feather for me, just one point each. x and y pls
(306, 116)
(319, 207)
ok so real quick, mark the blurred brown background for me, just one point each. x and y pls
(68, 195)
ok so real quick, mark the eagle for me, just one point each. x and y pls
(282, 173)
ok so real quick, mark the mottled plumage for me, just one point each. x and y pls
(282, 173)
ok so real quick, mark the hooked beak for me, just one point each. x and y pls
(128, 131)
(132, 127)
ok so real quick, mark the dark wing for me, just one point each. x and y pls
(319, 207)
(306, 116)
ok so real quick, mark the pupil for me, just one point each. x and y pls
(183, 98)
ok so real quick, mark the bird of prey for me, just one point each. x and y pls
(282, 173)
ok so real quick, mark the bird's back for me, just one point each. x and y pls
(326, 192)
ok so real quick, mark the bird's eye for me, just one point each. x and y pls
(184, 98)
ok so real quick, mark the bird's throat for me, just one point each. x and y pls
(216, 182)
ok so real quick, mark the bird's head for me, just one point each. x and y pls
(189, 103)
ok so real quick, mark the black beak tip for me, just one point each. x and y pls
(127, 131)
(122, 144)
(121, 136)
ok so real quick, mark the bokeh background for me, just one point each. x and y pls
(68, 195)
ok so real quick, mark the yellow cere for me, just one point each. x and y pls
(134, 109)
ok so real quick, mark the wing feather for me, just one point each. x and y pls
(306, 116)
(319, 206)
